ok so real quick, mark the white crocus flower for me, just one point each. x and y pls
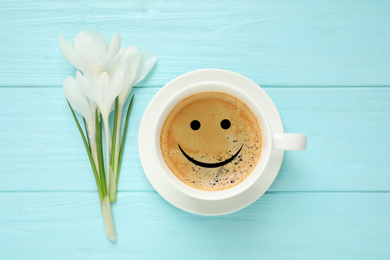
(89, 50)
(102, 88)
(100, 81)
(105, 72)
(138, 66)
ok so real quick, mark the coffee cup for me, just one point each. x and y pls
(269, 140)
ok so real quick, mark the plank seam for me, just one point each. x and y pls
(152, 191)
(263, 86)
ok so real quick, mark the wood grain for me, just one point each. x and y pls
(68, 225)
(324, 63)
(347, 131)
(275, 43)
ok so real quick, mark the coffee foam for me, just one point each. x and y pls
(211, 143)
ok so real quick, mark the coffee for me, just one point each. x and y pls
(211, 141)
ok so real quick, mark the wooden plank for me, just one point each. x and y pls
(275, 43)
(278, 226)
(347, 128)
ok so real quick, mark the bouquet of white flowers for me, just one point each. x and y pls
(104, 78)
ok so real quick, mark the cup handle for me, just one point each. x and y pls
(289, 142)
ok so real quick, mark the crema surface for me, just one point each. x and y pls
(211, 141)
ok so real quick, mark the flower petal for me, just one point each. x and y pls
(113, 47)
(125, 52)
(103, 84)
(101, 43)
(69, 53)
(120, 61)
(88, 87)
(92, 106)
(116, 86)
(148, 61)
(131, 59)
(76, 98)
(132, 68)
(85, 48)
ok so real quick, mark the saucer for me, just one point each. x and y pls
(164, 187)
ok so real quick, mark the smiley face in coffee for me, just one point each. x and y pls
(211, 141)
(195, 125)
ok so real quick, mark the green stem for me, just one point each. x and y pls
(112, 183)
(104, 199)
(115, 153)
(87, 132)
(95, 155)
(108, 220)
(114, 135)
(107, 138)
(91, 133)
(99, 147)
(95, 173)
(117, 145)
(123, 139)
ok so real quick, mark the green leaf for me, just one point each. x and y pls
(114, 135)
(87, 132)
(89, 154)
(123, 139)
(99, 146)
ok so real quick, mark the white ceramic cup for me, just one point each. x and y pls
(270, 141)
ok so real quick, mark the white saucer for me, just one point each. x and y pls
(161, 184)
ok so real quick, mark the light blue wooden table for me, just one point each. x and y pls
(326, 65)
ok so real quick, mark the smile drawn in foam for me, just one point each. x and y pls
(209, 165)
